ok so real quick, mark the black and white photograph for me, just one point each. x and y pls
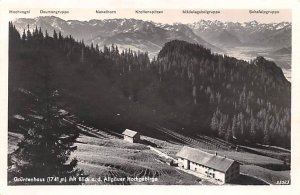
(142, 97)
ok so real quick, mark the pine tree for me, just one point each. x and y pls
(97, 48)
(82, 55)
(222, 126)
(55, 34)
(117, 50)
(60, 37)
(228, 135)
(24, 36)
(240, 126)
(41, 36)
(14, 36)
(252, 129)
(234, 127)
(214, 122)
(28, 33)
(46, 34)
(46, 147)
(266, 132)
(195, 94)
(35, 32)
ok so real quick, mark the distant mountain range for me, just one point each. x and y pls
(150, 36)
(283, 51)
(126, 33)
(248, 33)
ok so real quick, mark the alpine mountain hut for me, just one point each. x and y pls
(219, 168)
(131, 136)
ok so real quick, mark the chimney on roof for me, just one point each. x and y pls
(216, 154)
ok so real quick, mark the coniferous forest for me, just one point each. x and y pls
(186, 87)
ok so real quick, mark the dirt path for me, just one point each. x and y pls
(200, 176)
(160, 153)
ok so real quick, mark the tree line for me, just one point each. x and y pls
(249, 101)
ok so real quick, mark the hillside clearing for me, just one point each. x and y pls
(110, 156)
(116, 158)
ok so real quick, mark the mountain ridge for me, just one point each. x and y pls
(143, 35)
(250, 33)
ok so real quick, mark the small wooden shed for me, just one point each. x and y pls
(131, 136)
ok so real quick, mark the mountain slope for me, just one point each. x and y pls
(187, 88)
(226, 88)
